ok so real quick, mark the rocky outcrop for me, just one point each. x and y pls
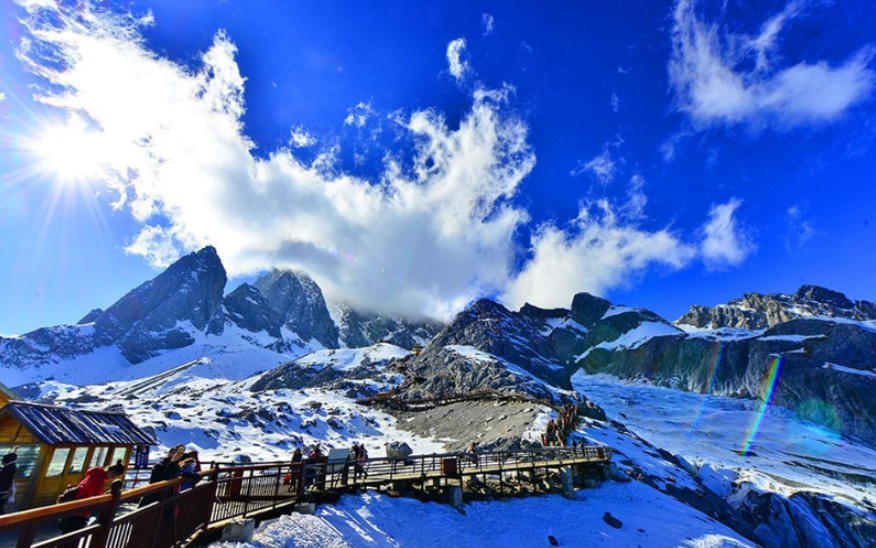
(158, 314)
(300, 302)
(90, 317)
(757, 311)
(359, 329)
(825, 370)
(247, 308)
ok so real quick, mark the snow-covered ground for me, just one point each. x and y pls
(648, 518)
(192, 404)
(787, 454)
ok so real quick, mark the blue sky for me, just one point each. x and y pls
(414, 156)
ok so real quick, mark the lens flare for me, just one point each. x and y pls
(68, 151)
(713, 375)
(771, 381)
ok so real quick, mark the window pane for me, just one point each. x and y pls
(59, 460)
(118, 454)
(27, 456)
(98, 457)
(77, 464)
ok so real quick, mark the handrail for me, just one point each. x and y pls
(234, 490)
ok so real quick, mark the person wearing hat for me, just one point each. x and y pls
(7, 479)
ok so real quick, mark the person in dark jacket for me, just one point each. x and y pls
(93, 485)
(164, 470)
(297, 455)
(7, 478)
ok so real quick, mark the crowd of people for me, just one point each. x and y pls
(178, 463)
(558, 429)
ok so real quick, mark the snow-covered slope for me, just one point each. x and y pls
(373, 520)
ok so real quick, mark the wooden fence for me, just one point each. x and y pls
(164, 515)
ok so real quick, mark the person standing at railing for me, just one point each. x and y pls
(473, 453)
(189, 468)
(361, 459)
(164, 470)
(7, 479)
(91, 486)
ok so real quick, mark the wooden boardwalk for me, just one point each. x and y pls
(162, 516)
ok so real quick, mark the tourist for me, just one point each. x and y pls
(7, 479)
(91, 486)
(361, 459)
(473, 453)
(189, 468)
(297, 456)
(164, 470)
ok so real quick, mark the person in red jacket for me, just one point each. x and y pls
(93, 485)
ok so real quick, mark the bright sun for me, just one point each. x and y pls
(69, 151)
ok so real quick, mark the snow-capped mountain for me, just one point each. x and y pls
(182, 315)
(757, 311)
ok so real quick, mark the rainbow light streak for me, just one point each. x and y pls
(771, 379)
(713, 375)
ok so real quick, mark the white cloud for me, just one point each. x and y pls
(456, 62)
(436, 229)
(301, 138)
(725, 243)
(156, 245)
(799, 229)
(602, 167)
(184, 163)
(601, 251)
(2, 96)
(712, 82)
(358, 116)
(489, 23)
(615, 102)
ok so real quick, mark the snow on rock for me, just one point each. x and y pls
(371, 520)
(636, 337)
(850, 370)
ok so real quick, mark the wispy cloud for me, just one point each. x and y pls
(437, 227)
(488, 21)
(799, 229)
(714, 81)
(456, 59)
(600, 251)
(725, 242)
(602, 167)
(301, 138)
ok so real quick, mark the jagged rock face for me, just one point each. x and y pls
(359, 329)
(90, 317)
(358, 372)
(756, 311)
(587, 309)
(248, 309)
(805, 520)
(152, 316)
(486, 347)
(299, 300)
(837, 397)
(158, 315)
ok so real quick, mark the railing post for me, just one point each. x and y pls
(277, 485)
(105, 519)
(25, 538)
(214, 490)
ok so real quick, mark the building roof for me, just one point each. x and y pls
(54, 425)
(10, 395)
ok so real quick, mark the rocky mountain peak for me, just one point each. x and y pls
(300, 302)
(359, 328)
(90, 317)
(587, 309)
(757, 311)
(250, 310)
(154, 316)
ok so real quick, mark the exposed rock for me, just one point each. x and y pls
(359, 329)
(587, 309)
(90, 317)
(299, 300)
(248, 308)
(757, 311)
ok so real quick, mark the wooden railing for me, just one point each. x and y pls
(165, 516)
